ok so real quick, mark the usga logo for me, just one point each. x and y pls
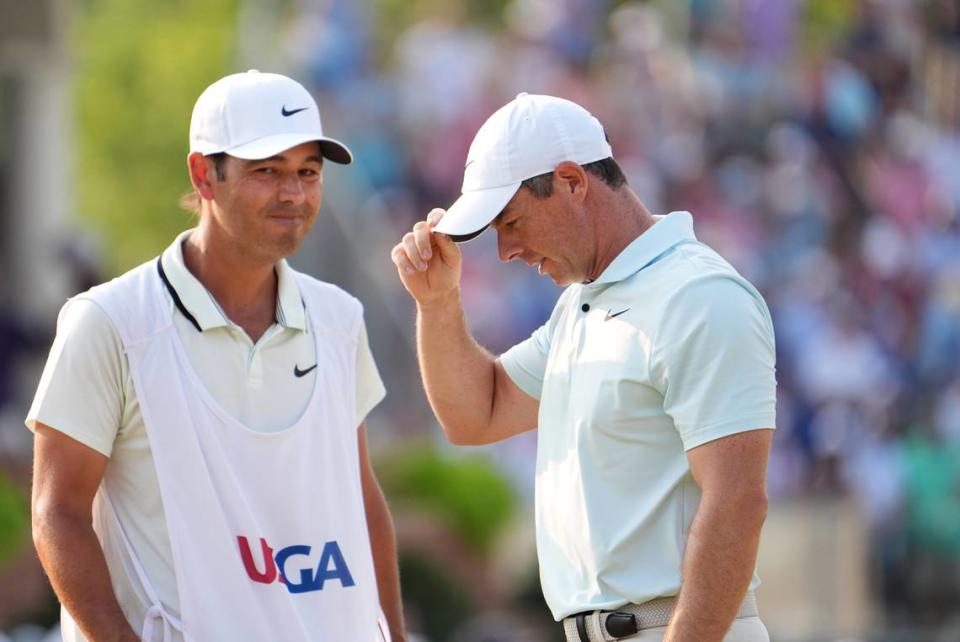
(332, 566)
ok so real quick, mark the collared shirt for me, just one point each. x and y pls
(86, 392)
(667, 350)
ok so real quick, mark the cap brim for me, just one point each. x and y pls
(473, 211)
(272, 145)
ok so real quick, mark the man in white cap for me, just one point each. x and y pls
(651, 385)
(201, 468)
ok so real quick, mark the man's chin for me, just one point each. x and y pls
(281, 246)
(287, 237)
(563, 280)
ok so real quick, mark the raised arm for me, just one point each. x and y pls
(471, 394)
(66, 475)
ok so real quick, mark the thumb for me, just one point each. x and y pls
(446, 247)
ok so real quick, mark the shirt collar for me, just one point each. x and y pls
(200, 303)
(666, 232)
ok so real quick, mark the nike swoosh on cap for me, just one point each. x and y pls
(284, 112)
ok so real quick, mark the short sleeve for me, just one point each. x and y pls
(81, 390)
(526, 362)
(714, 360)
(370, 390)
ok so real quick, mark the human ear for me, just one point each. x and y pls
(201, 174)
(571, 178)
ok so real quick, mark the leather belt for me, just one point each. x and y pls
(629, 619)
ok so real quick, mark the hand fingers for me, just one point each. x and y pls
(399, 256)
(434, 217)
(416, 249)
(446, 248)
(421, 238)
(409, 244)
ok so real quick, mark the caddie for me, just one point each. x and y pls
(200, 461)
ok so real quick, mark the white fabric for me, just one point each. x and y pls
(87, 392)
(257, 115)
(168, 622)
(668, 349)
(225, 486)
(528, 136)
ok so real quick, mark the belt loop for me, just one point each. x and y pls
(595, 616)
(581, 619)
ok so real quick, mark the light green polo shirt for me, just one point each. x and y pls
(668, 349)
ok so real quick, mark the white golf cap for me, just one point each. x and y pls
(528, 136)
(255, 115)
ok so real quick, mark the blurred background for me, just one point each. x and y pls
(815, 142)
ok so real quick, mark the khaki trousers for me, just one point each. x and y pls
(747, 629)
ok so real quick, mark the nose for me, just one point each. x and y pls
(507, 248)
(291, 189)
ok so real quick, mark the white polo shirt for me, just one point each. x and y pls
(668, 349)
(86, 391)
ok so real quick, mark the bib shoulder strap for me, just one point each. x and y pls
(135, 303)
(331, 310)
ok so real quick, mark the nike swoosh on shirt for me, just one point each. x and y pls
(297, 372)
(611, 315)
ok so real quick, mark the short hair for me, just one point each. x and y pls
(607, 170)
(190, 201)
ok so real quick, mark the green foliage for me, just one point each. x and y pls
(440, 603)
(140, 66)
(824, 22)
(471, 496)
(14, 519)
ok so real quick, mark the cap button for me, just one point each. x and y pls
(522, 94)
(253, 71)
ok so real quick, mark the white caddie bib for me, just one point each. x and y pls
(268, 530)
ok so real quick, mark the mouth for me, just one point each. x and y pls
(537, 263)
(286, 219)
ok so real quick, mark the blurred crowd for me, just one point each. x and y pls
(815, 142)
(816, 145)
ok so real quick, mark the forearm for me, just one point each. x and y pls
(71, 555)
(718, 564)
(383, 543)
(458, 374)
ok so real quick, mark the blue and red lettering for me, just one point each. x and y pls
(332, 566)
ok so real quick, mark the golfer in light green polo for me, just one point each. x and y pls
(651, 385)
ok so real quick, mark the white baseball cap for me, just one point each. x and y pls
(528, 136)
(255, 115)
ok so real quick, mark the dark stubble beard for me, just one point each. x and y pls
(285, 246)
